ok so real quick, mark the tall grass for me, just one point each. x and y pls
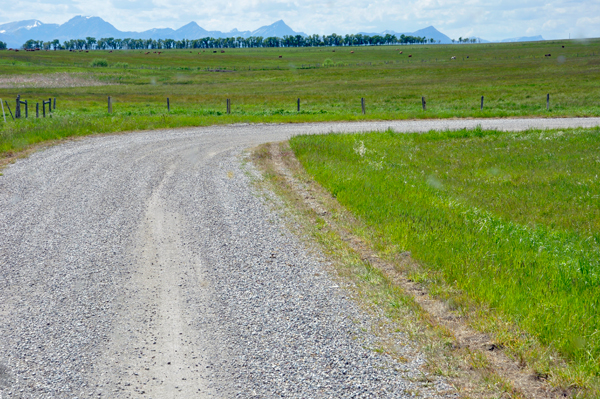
(511, 219)
(99, 62)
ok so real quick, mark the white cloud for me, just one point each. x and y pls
(587, 21)
(550, 25)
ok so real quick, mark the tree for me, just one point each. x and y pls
(30, 44)
(90, 41)
(2, 46)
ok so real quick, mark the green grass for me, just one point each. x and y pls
(514, 78)
(510, 219)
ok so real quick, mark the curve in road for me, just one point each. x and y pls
(145, 265)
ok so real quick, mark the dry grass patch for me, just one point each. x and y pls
(53, 80)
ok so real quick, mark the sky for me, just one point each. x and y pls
(490, 20)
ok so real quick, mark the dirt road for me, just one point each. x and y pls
(145, 265)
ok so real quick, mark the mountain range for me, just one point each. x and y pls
(17, 33)
(14, 34)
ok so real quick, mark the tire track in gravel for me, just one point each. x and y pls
(120, 254)
(164, 361)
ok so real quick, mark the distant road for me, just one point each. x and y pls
(146, 264)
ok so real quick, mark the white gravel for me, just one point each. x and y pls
(143, 265)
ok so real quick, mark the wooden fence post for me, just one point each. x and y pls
(54, 107)
(362, 105)
(37, 110)
(424, 103)
(49, 105)
(44, 109)
(228, 106)
(109, 105)
(26, 109)
(298, 105)
(548, 102)
(481, 103)
(18, 107)
(168, 105)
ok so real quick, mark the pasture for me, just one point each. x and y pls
(514, 79)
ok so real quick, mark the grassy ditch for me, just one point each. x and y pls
(508, 220)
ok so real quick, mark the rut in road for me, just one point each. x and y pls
(155, 349)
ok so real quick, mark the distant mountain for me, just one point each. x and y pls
(430, 33)
(80, 27)
(523, 39)
(277, 29)
(12, 27)
(13, 33)
(191, 30)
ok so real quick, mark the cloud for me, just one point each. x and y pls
(486, 19)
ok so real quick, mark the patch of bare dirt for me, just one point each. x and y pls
(52, 80)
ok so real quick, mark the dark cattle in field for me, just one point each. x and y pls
(400, 52)
(222, 51)
(563, 46)
(453, 57)
(547, 55)
(281, 56)
(215, 51)
(410, 55)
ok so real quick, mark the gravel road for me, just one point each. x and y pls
(145, 265)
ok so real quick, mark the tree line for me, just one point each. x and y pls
(315, 40)
(2, 45)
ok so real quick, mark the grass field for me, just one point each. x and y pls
(514, 79)
(509, 220)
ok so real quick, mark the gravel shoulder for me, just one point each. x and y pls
(144, 264)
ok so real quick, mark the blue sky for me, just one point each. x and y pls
(552, 19)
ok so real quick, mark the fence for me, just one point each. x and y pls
(52, 106)
(19, 102)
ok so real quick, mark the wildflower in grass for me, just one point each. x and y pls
(360, 149)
